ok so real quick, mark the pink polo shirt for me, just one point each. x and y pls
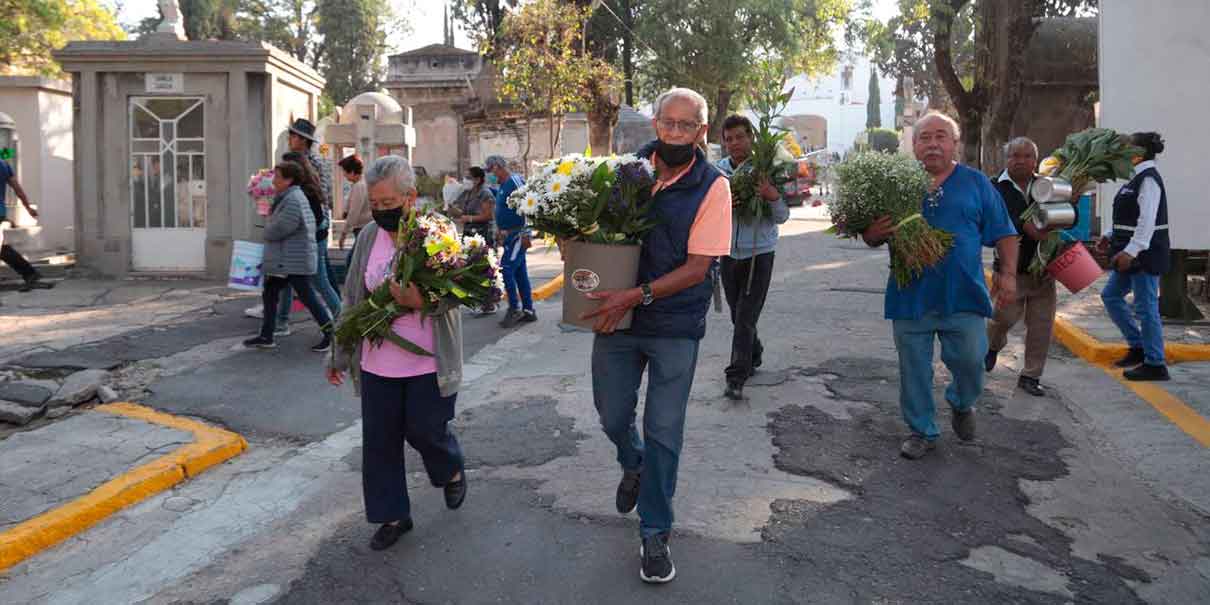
(710, 234)
(388, 360)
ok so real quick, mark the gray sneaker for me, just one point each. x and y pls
(281, 330)
(916, 447)
(511, 319)
(964, 424)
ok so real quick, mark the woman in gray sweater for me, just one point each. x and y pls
(290, 257)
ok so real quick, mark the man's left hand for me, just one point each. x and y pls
(1004, 289)
(1121, 261)
(767, 190)
(32, 210)
(615, 304)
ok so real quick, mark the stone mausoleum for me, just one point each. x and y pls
(167, 132)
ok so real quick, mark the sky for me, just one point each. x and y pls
(425, 16)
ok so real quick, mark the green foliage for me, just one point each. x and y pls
(543, 67)
(769, 159)
(872, 184)
(716, 47)
(482, 20)
(873, 105)
(882, 139)
(30, 30)
(358, 29)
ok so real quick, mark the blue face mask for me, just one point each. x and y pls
(491, 179)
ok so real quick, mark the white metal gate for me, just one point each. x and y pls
(168, 183)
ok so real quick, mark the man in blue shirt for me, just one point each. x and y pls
(515, 238)
(8, 254)
(949, 302)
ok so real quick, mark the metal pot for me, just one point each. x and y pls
(1049, 189)
(1055, 215)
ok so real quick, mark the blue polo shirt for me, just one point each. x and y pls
(506, 217)
(971, 209)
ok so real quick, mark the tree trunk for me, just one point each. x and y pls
(627, 50)
(722, 104)
(970, 103)
(602, 116)
(1016, 25)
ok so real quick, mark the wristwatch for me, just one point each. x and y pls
(648, 295)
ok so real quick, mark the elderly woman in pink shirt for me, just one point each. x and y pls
(404, 396)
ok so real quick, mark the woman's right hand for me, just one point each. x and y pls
(335, 377)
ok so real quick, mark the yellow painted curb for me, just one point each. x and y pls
(211, 446)
(1175, 410)
(549, 288)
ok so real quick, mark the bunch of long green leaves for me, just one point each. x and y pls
(769, 160)
(1095, 155)
(873, 184)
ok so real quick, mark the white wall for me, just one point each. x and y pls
(822, 96)
(42, 110)
(1155, 76)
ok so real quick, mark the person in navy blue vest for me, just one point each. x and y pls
(8, 255)
(1139, 254)
(692, 209)
(949, 302)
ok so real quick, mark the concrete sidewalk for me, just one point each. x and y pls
(119, 454)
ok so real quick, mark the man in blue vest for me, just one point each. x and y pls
(1139, 254)
(949, 302)
(515, 238)
(693, 214)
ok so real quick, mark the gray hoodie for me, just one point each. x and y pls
(447, 323)
(753, 239)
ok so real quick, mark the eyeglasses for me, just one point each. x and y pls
(679, 126)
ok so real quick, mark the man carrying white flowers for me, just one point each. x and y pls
(692, 212)
(949, 301)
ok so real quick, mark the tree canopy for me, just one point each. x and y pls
(32, 29)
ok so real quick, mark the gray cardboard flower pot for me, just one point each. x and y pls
(592, 267)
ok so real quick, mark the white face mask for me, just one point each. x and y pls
(468, 183)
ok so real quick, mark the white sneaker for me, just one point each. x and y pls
(281, 331)
(255, 312)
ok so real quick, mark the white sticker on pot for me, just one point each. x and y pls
(585, 280)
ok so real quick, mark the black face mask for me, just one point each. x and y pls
(674, 155)
(388, 219)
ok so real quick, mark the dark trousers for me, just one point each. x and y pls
(302, 285)
(394, 410)
(12, 258)
(746, 304)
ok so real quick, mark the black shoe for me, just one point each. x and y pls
(1147, 371)
(1030, 385)
(455, 492)
(260, 343)
(389, 534)
(735, 390)
(1133, 358)
(511, 319)
(324, 344)
(528, 316)
(628, 491)
(34, 282)
(657, 565)
(989, 360)
(964, 424)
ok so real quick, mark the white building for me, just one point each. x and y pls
(837, 102)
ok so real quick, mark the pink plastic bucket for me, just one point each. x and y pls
(1075, 268)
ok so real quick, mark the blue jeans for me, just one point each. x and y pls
(395, 410)
(963, 339)
(618, 361)
(1148, 332)
(516, 275)
(320, 282)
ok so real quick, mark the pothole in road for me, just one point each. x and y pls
(516, 433)
(916, 527)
